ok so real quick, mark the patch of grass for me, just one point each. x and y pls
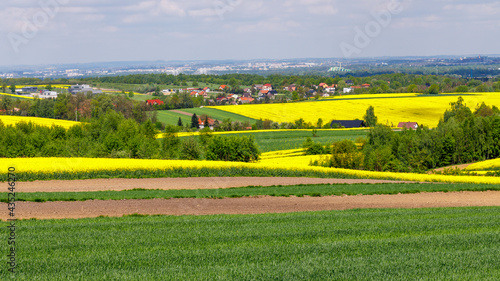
(272, 141)
(170, 117)
(377, 244)
(218, 114)
(283, 191)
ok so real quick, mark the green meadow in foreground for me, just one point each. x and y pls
(293, 190)
(376, 244)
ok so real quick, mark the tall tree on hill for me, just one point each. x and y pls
(194, 121)
(370, 118)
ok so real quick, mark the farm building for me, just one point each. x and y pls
(349, 123)
(29, 89)
(408, 125)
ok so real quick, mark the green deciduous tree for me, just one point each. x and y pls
(370, 118)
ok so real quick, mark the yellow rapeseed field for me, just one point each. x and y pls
(493, 164)
(11, 120)
(16, 96)
(44, 86)
(299, 163)
(389, 110)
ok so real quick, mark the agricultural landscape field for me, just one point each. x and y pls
(276, 216)
(390, 109)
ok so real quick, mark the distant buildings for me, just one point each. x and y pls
(83, 89)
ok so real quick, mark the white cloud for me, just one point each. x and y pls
(93, 18)
(476, 10)
(110, 29)
(171, 8)
(323, 10)
(142, 6)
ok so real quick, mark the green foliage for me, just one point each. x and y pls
(190, 149)
(313, 148)
(370, 118)
(345, 154)
(461, 137)
(433, 89)
(233, 148)
(462, 89)
(194, 122)
(459, 111)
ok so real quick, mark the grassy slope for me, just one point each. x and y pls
(295, 190)
(170, 117)
(218, 114)
(397, 244)
(271, 141)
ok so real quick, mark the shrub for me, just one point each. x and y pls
(233, 148)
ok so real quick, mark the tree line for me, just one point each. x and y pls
(114, 136)
(462, 136)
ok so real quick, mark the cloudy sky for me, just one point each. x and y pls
(69, 31)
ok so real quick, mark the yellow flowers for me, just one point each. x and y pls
(493, 164)
(16, 96)
(298, 163)
(390, 109)
(282, 153)
(11, 120)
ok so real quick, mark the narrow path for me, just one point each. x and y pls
(182, 112)
(247, 205)
(176, 183)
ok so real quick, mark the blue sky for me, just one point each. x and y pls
(69, 31)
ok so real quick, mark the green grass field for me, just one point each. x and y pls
(271, 141)
(219, 114)
(294, 190)
(170, 117)
(376, 244)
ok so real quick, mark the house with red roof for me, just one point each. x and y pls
(246, 100)
(408, 125)
(268, 87)
(155, 102)
(223, 87)
(201, 123)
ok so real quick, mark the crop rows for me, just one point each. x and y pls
(282, 191)
(423, 244)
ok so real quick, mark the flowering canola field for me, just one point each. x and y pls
(294, 163)
(426, 110)
(17, 96)
(11, 120)
(488, 165)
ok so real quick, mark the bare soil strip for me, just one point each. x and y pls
(182, 112)
(175, 183)
(247, 205)
(461, 167)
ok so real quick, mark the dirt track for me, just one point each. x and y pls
(254, 205)
(174, 183)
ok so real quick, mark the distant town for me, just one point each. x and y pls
(484, 66)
